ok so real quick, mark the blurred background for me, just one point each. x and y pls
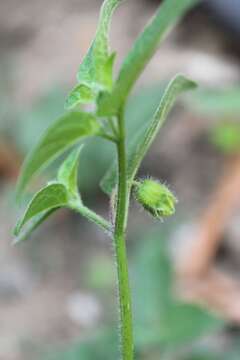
(57, 290)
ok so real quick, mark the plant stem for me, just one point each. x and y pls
(120, 247)
(108, 137)
(93, 217)
(113, 127)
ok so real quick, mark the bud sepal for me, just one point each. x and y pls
(155, 197)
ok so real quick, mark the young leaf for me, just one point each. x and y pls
(142, 142)
(50, 197)
(68, 172)
(81, 94)
(64, 132)
(93, 69)
(142, 51)
(96, 71)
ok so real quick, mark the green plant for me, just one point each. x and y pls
(222, 106)
(97, 86)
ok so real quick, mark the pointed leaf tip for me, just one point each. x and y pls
(50, 197)
(35, 223)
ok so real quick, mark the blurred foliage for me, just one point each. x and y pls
(102, 346)
(7, 112)
(104, 278)
(223, 105)
(33, 121)
(215, 102)
(231, 352)
(162, 323)
(161, 319)
(226, 136)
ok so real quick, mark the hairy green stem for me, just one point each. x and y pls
(120, 247)
(93, 217)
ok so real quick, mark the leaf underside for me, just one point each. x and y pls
(144, 139)
(177, 86)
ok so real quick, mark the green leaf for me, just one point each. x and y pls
(64, 132)
(197, 322)
(50, 197)
(144, 139)
(141, 53)
(96, 71)
(68, 172)
(216, 102)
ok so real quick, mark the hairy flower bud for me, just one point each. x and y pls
(155, 198)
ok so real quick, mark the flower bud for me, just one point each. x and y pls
(155, 198)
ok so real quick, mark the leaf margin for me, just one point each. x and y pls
(35, 202)
(75, 116)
